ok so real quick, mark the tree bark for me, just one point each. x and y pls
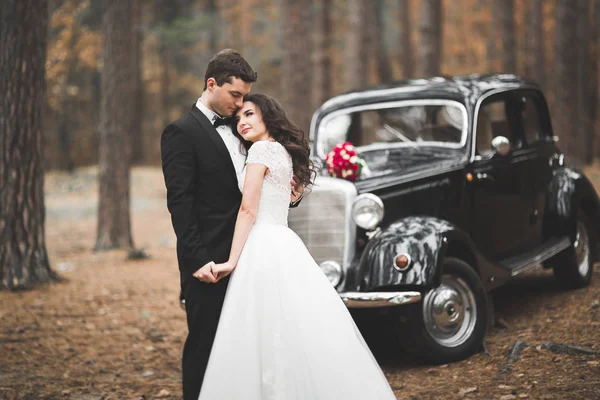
(64, 126)
(23, 34)
(211, 9)
(356, 64)
(565, 76)
(504, 12)
(430, 51)
(491, 48)
(597, 61)
(584, 142)
(231, 15)
(137, 139)
(323, 47)
(595, 79)
(407, 56)
(114, 227)
(384, 69)
(537, 67)
(297, 68)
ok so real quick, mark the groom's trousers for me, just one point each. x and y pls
(203, 303)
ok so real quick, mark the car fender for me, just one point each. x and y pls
(426, 240)
(568, 191)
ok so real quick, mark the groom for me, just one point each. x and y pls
(201, 159)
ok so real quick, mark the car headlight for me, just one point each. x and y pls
(367, 211)
(332, 270)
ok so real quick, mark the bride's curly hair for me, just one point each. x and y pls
(286, 133)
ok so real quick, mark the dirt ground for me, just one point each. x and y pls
(114, 329)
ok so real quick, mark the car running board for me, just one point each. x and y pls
(532, 258)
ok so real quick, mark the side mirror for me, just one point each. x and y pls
(501, 145)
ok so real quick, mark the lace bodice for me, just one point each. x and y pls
(274, 200)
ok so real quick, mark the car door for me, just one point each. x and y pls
(533, 120)
(500, 193)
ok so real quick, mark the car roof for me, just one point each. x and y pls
(463, 88)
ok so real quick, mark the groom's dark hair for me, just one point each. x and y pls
(228, 64)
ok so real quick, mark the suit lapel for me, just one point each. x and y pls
(208, 127)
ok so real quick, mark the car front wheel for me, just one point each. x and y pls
(450, 323)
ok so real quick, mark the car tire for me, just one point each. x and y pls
(574, 267)
(458, 327)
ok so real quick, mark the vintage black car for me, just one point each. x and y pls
(464, 188)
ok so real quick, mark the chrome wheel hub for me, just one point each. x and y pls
(450, 312)
(582, 249)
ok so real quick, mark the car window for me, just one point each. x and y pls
(440, 125)
(530, 119)
(496, 118)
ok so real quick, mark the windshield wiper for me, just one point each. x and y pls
(400, 136)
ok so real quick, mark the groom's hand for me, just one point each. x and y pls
(205, 273)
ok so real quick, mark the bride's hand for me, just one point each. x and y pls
(220, 271)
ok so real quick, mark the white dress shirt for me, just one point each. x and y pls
(232, 143)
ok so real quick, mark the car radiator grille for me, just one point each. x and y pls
(323, 221)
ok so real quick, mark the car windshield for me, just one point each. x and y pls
(439, 124)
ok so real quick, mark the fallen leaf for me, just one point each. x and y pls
(465, 391)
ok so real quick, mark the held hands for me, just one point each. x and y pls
(205, 273)
(212, 273)
(220, 271)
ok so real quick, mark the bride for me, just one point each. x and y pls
(284, 333)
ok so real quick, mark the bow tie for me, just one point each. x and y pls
(218, 121)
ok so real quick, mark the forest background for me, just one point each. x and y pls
(88, 86)
(307, 51)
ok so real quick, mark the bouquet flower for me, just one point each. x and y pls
(344, 162)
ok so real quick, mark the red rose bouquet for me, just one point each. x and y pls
(344, 162)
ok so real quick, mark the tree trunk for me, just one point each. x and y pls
(356, 64)
(430, 50)
(406, 48)
(137, 139)
(504, 12)
(565, 76)
(165, 83)
(584, 142)
(211, 9)
(384, 69)
(297, 67)
(595, 80)
(534, 43)
(114, 228)
(538, 56)
(323, 49)
(231, 17)
(491, 48)
(23, 34)
(64, 126)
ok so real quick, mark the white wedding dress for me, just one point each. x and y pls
(284, 333)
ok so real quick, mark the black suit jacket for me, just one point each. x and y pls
(202, 191)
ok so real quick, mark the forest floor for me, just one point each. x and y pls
(113, 329)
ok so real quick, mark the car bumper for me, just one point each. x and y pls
(379, 299)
